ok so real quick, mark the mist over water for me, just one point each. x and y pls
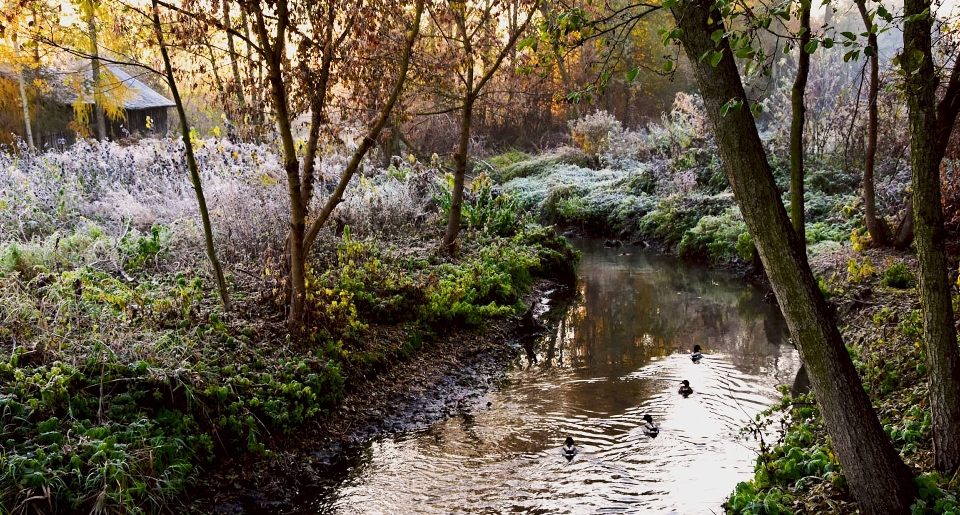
(619, 352)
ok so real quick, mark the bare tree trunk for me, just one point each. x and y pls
(876, 226)
(878, 477)
(472, 89)
(371, 137)
(273, 54)
(939, 333)
(191, 163)
(449, 245)
(101, 123)
(28, 130)
(796, 124)
(231, 48)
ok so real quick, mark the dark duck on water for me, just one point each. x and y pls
(569, 449)
(685, 389)
(650, 427)
(696, 356)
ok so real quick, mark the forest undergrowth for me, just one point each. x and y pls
(122, 377)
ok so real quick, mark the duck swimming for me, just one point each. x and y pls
(650, 427)
(685, 389)
(569, 449)
(696, 356)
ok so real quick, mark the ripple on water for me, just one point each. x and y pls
(507, 459)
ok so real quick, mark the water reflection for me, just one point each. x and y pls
(618, 354)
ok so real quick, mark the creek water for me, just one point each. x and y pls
(615, 353)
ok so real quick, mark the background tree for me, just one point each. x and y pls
(796, 125)
(470, 35)
(878, 477)
(876, 225)
(335, 31)
(89, 10)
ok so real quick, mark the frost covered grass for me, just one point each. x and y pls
(121, 377)
(664, 184)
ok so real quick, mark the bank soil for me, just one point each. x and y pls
(449, 377)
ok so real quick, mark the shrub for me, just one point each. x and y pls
(593, 133)
(897, 276)
(677, 214)
(716, 239)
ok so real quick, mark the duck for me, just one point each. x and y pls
(569, 449)
(696, 356)
(650, 427)
(685, 389)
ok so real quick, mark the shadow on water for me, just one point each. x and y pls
(614, 354)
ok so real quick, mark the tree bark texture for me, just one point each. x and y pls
(947, 110)
(877, 476)
(796, 125)
(876, 226)
(939, 333)
(191, 163)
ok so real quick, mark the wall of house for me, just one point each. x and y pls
(136, 123)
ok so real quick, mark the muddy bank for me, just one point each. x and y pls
(448, 378)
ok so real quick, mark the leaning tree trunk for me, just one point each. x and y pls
(876, 226)
(191, 163)
(943, 359)
(796, 125)
(878, 477)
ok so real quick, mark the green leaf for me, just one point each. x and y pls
(756, 109)
(632, 74)
(849, 35)
(811, 47)
(733, 105)
(717, 35)
(668, 66)
(746, 52)
(883, 13)
(868, 51)
(669, 3)
(704, 56)
(828, 43)
(715, 58)
(917, 17)
(530, 42)
(853, 54)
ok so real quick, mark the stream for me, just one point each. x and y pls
(615, 353)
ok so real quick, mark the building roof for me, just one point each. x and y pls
(144, 97)
(140, 95)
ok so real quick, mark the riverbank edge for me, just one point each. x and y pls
(881, 326)
(448, 379)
